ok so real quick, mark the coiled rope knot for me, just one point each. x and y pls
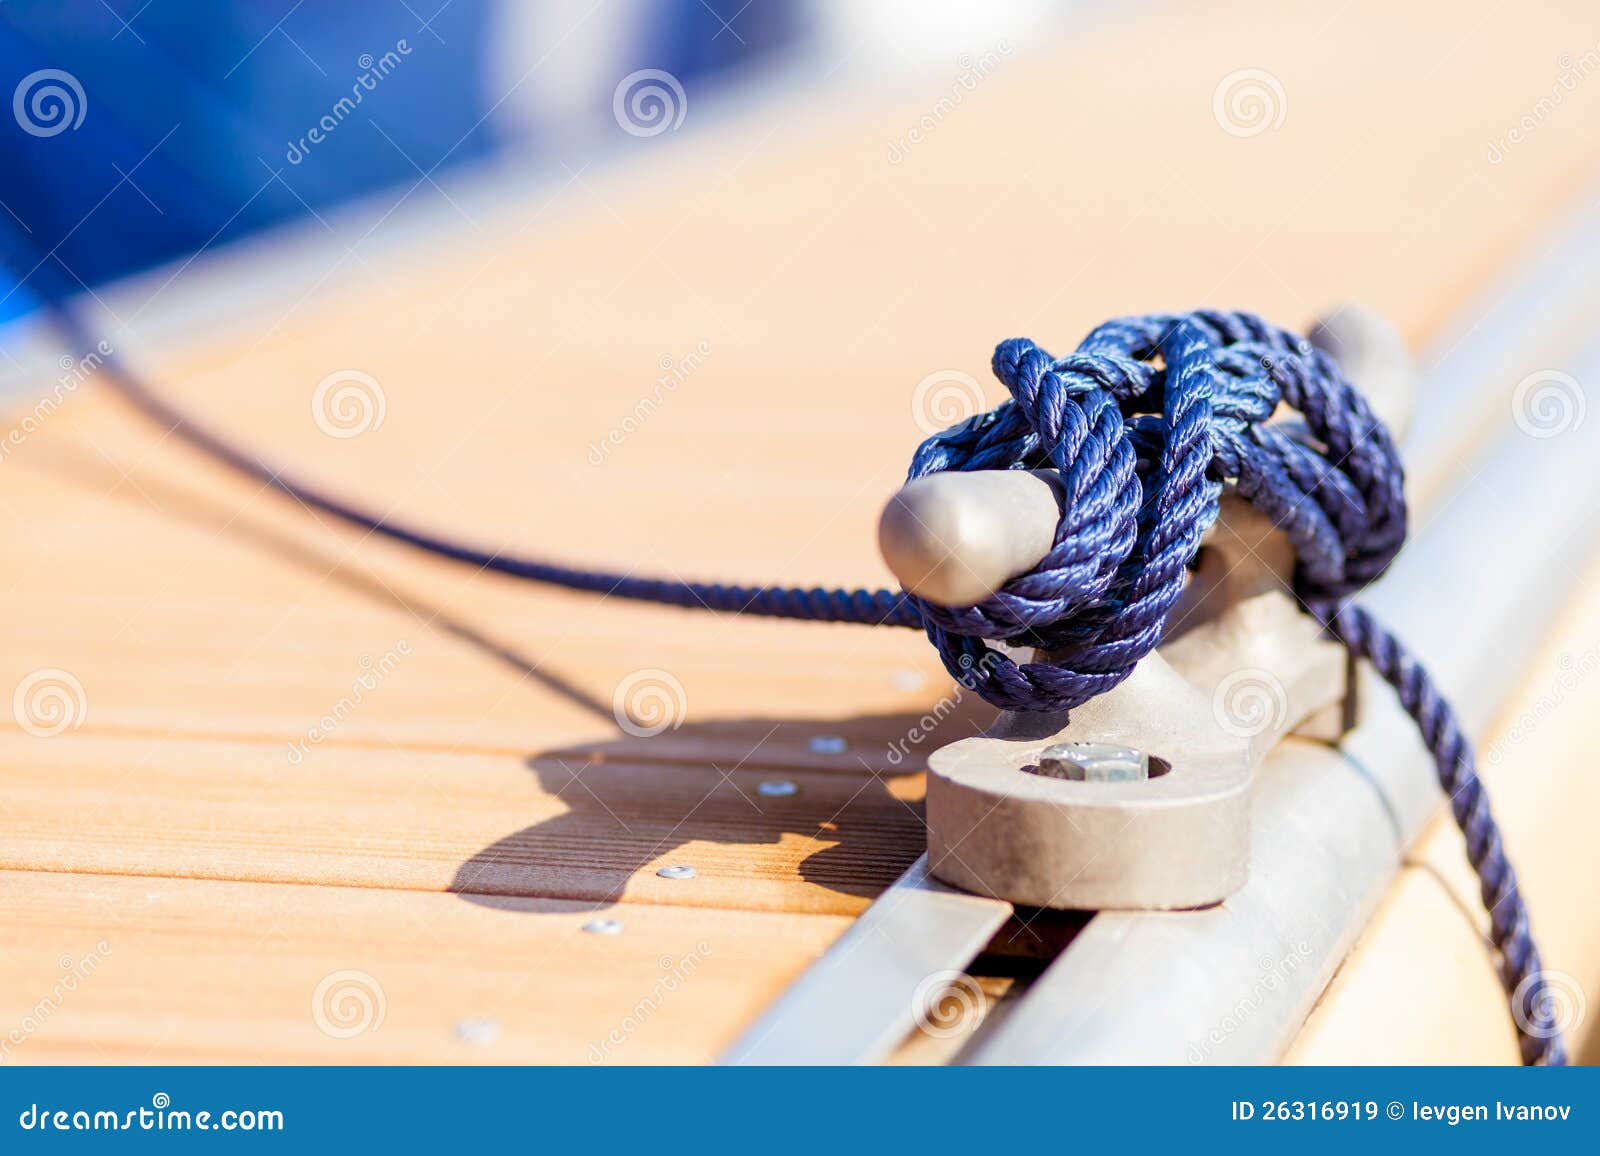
(1144, 425)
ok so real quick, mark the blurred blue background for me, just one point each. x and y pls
(142, 131)
(195, 114)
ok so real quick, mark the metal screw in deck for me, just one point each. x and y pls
(477, 1030)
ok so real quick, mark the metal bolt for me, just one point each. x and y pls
(777, 789)
(828, 745)
(1094, 763)
(677, 871)
(603, 927)
(482, 1032)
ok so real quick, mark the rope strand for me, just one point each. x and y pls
(1534, 1003)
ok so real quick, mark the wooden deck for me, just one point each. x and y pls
(451, 835)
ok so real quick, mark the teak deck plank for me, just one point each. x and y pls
(476, 823)
(211, 624)
(195, 971)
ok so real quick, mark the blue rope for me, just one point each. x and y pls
(1145, 422)
(1534, 1006)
